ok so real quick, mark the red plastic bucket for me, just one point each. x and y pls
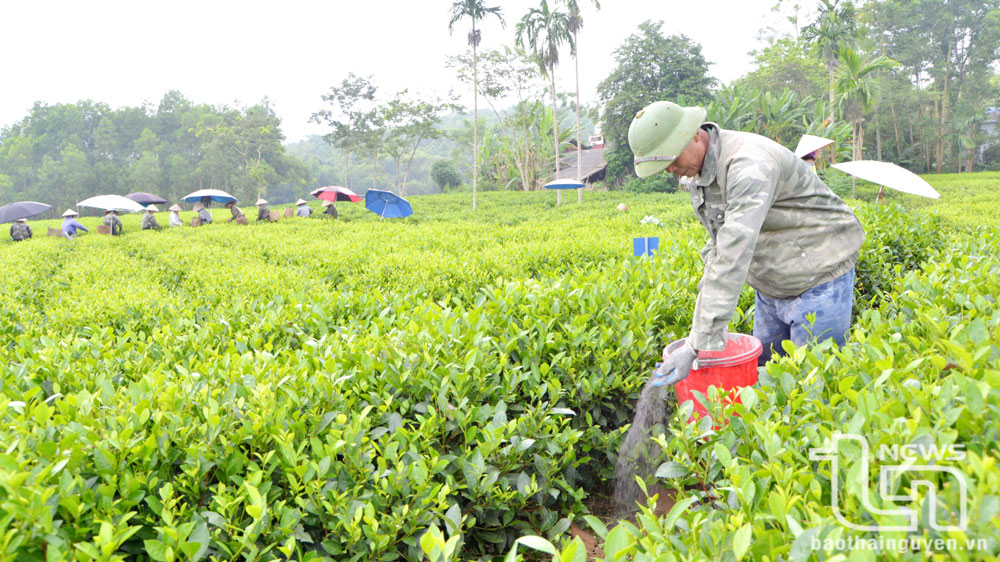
(732, 368)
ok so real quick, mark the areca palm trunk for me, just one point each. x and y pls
(555, 128)
(829, 67)
(475, 118)
(347, 162)
(579, 138)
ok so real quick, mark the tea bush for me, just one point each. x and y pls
(921, 369)
(375, 390)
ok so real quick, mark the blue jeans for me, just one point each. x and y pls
(776, 320)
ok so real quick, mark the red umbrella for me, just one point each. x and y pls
(336, 193)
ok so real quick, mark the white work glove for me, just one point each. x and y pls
(676, 366)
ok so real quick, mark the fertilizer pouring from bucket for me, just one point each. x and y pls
(730, 369)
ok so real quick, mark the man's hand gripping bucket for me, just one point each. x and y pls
(730, 369)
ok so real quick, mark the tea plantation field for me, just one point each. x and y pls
(452, 386)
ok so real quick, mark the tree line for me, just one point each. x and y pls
(914, 82)
(909, 81)
(61, 154)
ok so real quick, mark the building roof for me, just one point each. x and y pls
(593, 164)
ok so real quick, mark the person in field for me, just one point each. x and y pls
(112, 221)
(70, 225)
(236, 212)
(175, 215)
(202, 213)
(772, 224)
(331, 208)
(149, 218)
(304, 209)
(20, 230)
(263, 210)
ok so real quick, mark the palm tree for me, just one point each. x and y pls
(835, 29)
(856, 80)
(545, 31)
(575, 25)
(475, 10)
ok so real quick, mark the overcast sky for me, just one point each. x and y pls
(221, 52)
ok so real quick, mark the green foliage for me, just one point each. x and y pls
(64, 153)
(922, 369)
(523, 159)
(650, 67)
(445, 175)
(463, 384)
(657, 183)
(896, 241)
(334, 398)
(834, 30)
(788, 64)
(517, 151)
(780, 117)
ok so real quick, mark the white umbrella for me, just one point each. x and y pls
(810, 143)
(111, 202)
(889, 175)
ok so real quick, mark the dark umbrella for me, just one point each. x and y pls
(336, 193)
(387, 204)
(22, 210)
(146, 199)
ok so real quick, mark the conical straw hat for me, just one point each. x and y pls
(175, 207)
(810, 143)
(261, 201)
(70, 213)
(152, 208)
(301, 202)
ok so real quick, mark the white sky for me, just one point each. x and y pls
(124, 53)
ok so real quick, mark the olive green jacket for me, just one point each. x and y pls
(772, 223)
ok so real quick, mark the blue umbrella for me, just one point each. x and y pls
(564, 183)
(387, 204)
(21, 210)
(216, 195)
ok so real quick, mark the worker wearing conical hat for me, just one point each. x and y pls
(772, 223)
(263, 210)
(20, 230)
(236, 211)
(175, 215)
(149, 219)
(304, 209)
(331, 208)
(810, 147)
(70, 225)
(203, 214)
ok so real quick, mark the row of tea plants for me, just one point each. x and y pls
(921, 370)
(348, 390)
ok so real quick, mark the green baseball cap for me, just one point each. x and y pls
(660, 132)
